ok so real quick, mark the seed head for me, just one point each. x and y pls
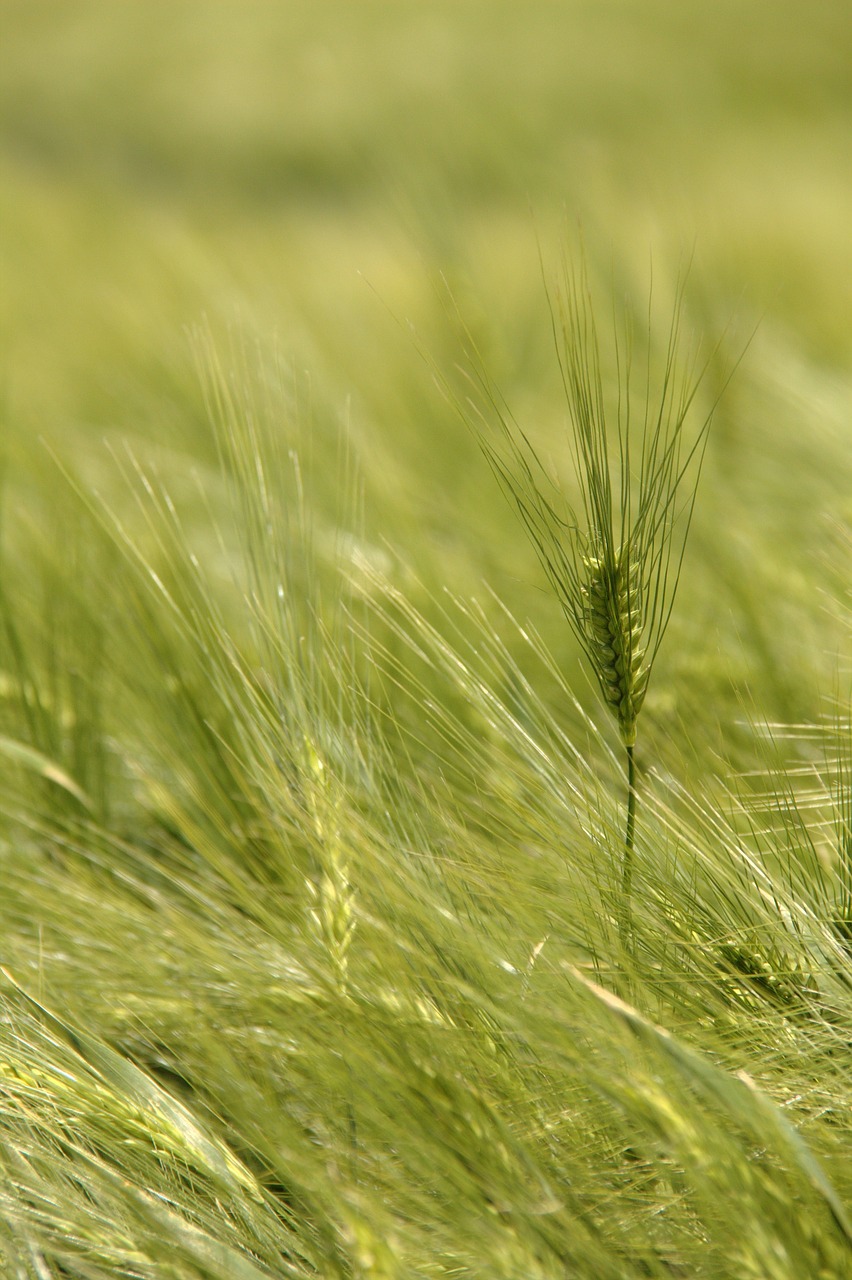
(613, 619)
(614, 558)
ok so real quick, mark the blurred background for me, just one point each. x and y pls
(164, 160)
(308, 174)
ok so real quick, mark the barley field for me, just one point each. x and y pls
(425, 620)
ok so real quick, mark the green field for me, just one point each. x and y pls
(318, 952)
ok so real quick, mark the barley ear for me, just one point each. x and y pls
(613, 617)
(614, 557)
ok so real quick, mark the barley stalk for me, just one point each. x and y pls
(614, 564)
(612, 594)
(332, 894)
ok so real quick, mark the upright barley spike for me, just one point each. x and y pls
(614, 563)
(614, 620)
(612, 592)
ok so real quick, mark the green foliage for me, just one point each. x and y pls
(311, 816)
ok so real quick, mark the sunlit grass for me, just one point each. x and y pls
(311, 812)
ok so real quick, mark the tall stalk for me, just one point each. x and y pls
(614, 559)
(625, 921)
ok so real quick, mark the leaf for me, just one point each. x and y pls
(33, 760)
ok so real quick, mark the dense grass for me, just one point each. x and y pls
(311, 815)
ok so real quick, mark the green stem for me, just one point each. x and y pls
(626, 923)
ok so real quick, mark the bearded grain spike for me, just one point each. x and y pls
(614, 619)
(615, 559)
